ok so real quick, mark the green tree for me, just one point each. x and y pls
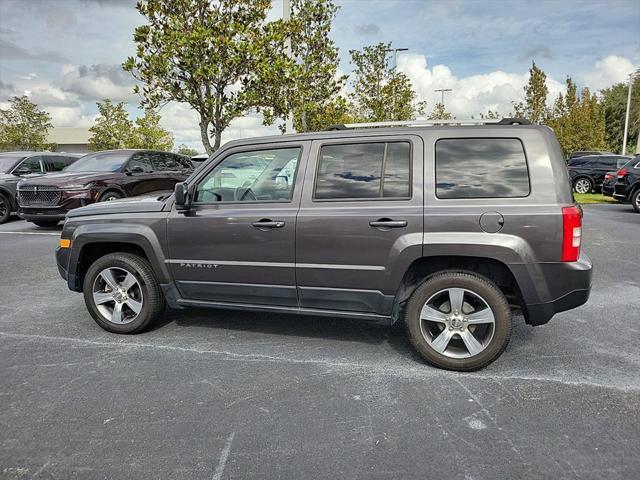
(578, 120)
(614, 104)
(306, 83)
(147, 133)
(536, 92)
(491, 115)
(184, 150)
(439, 113)
(112, 128)
(208, 54)
(380, 94)
(23, 126)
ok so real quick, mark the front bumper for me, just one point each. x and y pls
(68, 201)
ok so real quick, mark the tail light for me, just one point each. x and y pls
(622, 172)
(571, 233)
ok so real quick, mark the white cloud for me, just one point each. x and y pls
(471, 95)
(609, 70)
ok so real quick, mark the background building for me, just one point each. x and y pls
(72, 140)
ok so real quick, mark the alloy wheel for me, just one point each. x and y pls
(3, 207)
(582, 186)
(117, 295)
(457, 323)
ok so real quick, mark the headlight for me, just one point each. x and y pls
(78, 187)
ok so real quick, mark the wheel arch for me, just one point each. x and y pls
(509, 279)
(112, 188)
(89, 246)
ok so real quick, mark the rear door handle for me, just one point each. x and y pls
(265, 223)
(388, 223)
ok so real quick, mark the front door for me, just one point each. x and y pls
(237, 243)
(360, 222)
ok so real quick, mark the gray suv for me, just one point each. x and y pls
(445, 228)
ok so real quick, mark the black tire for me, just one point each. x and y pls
(153, 301)
(476, 284)
(110, 195)
(635, 200)
(5, 209)
(46, 223)
(588, 181)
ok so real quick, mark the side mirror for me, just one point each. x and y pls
(137, 169)
(181, 191)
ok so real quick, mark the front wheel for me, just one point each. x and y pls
(583, 185)
(109, 197)
(5, 209)
(122, 293)
(458, 321)
(635, 200)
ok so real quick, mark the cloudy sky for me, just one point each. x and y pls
(66, 54)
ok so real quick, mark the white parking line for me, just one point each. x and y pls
(32, 233)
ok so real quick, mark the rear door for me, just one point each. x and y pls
(167, 171)
(362, 204)
(140, 179)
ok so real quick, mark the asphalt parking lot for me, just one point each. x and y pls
(230, 395)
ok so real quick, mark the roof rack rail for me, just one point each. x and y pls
(430, 123)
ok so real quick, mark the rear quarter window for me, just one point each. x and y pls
(481, 168)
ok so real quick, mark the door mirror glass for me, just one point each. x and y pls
(136, 169)
(181, 192)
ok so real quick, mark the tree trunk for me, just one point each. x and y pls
(205, 136)
(216, 141)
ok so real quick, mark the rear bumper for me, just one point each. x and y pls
(568, 285)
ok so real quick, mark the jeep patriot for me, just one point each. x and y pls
(445, 226)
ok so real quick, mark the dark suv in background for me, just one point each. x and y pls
(587, 173)
(627, 186)
(447, 228)
(99, 177)
(15, 166)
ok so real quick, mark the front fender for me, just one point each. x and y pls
(137, 234)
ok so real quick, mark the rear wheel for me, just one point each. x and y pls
(5, 208)
(122, 294)
(635, 200)
(458, 321)
(583, 185)
(46, 223)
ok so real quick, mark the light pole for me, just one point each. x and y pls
(442, 90)
(286, 16)
(395, 65)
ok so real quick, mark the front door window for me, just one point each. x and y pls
(255, 176)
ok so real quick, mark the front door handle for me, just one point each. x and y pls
(388, 223)
(266, 223)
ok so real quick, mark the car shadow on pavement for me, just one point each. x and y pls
(290, 325)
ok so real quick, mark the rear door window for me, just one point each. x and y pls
(141, 160)
(481, 168)
(364, 171)
(164, 161)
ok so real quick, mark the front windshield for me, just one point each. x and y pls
(99, 162)
(7, 162)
